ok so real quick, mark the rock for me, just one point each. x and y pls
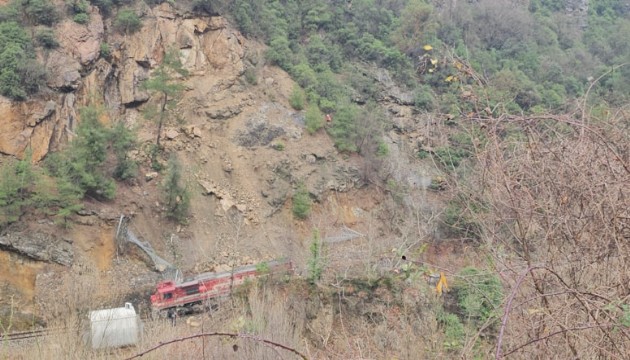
(192, 131)
(259, 133)
(86, 212)
(39, 246)
(227, 203)
(208, 187)
(224, 113)
(193, 321)
(38, 117)
(24, 124)
(222, 268)
(63, 71)
(216, 23)
(130, 79)
(150, 176)
(85, 220)
(171, 134)
(223, 48)
(82, 41)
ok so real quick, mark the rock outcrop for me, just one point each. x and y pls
(209, 49)
(39, 246)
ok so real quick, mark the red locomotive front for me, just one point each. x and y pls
(171, 294)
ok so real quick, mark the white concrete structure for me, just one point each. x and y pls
(114, 327)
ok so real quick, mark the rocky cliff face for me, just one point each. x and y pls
(76, 72)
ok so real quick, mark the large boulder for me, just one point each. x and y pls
(63, 71)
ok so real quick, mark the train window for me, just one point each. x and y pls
(168, 296)
(192, 290)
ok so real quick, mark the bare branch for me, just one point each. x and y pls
(255, 338)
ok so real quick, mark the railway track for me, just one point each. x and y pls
(31, 334)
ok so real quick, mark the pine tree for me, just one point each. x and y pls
(164, 83)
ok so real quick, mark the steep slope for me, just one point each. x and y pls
(243, 148)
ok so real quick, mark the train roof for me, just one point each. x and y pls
(227, 274)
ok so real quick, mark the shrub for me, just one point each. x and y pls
(479, 295)
(123, 140)
(315, 262)
(81, 18)
(15, 54)
(176, 194)
(33, 75)
(250, 76)
(41, 12)
(382, 149)
(304, 75)
(454, 331)
(314, 119)
(344, 128)
(105, 6)
(127, 21)
(297, 99)
(278, 146)
(46, 38)
(82, 164)
(205, 6)
(424, 99)
(105, 50)
(279, 52)
(301, 202)
(79, 7)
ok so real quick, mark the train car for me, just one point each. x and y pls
(195, 291)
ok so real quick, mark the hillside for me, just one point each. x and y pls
(376, 144)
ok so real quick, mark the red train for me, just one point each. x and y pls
(195, 291)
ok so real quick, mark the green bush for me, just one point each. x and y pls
(479, 295)
(382, 149)
(78, 6)
(344, 128)
(278, 146)
(315, 262)
(424, 99)
(250, 76)
(279, 53)
(24, 188)
(297, 99)
(304, 75)
(82, 164)
(127, 21)
(454, 331)
(123, 140)
(175, 192)
(314, 119)
(46, 38)
(105, 50)
(301, 202)
(16, 56)
(105, 6)
(206, 6)
(458, 217)
(40, 12)
(15, 186)
(81, 18)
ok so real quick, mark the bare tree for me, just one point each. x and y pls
(553, 202)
